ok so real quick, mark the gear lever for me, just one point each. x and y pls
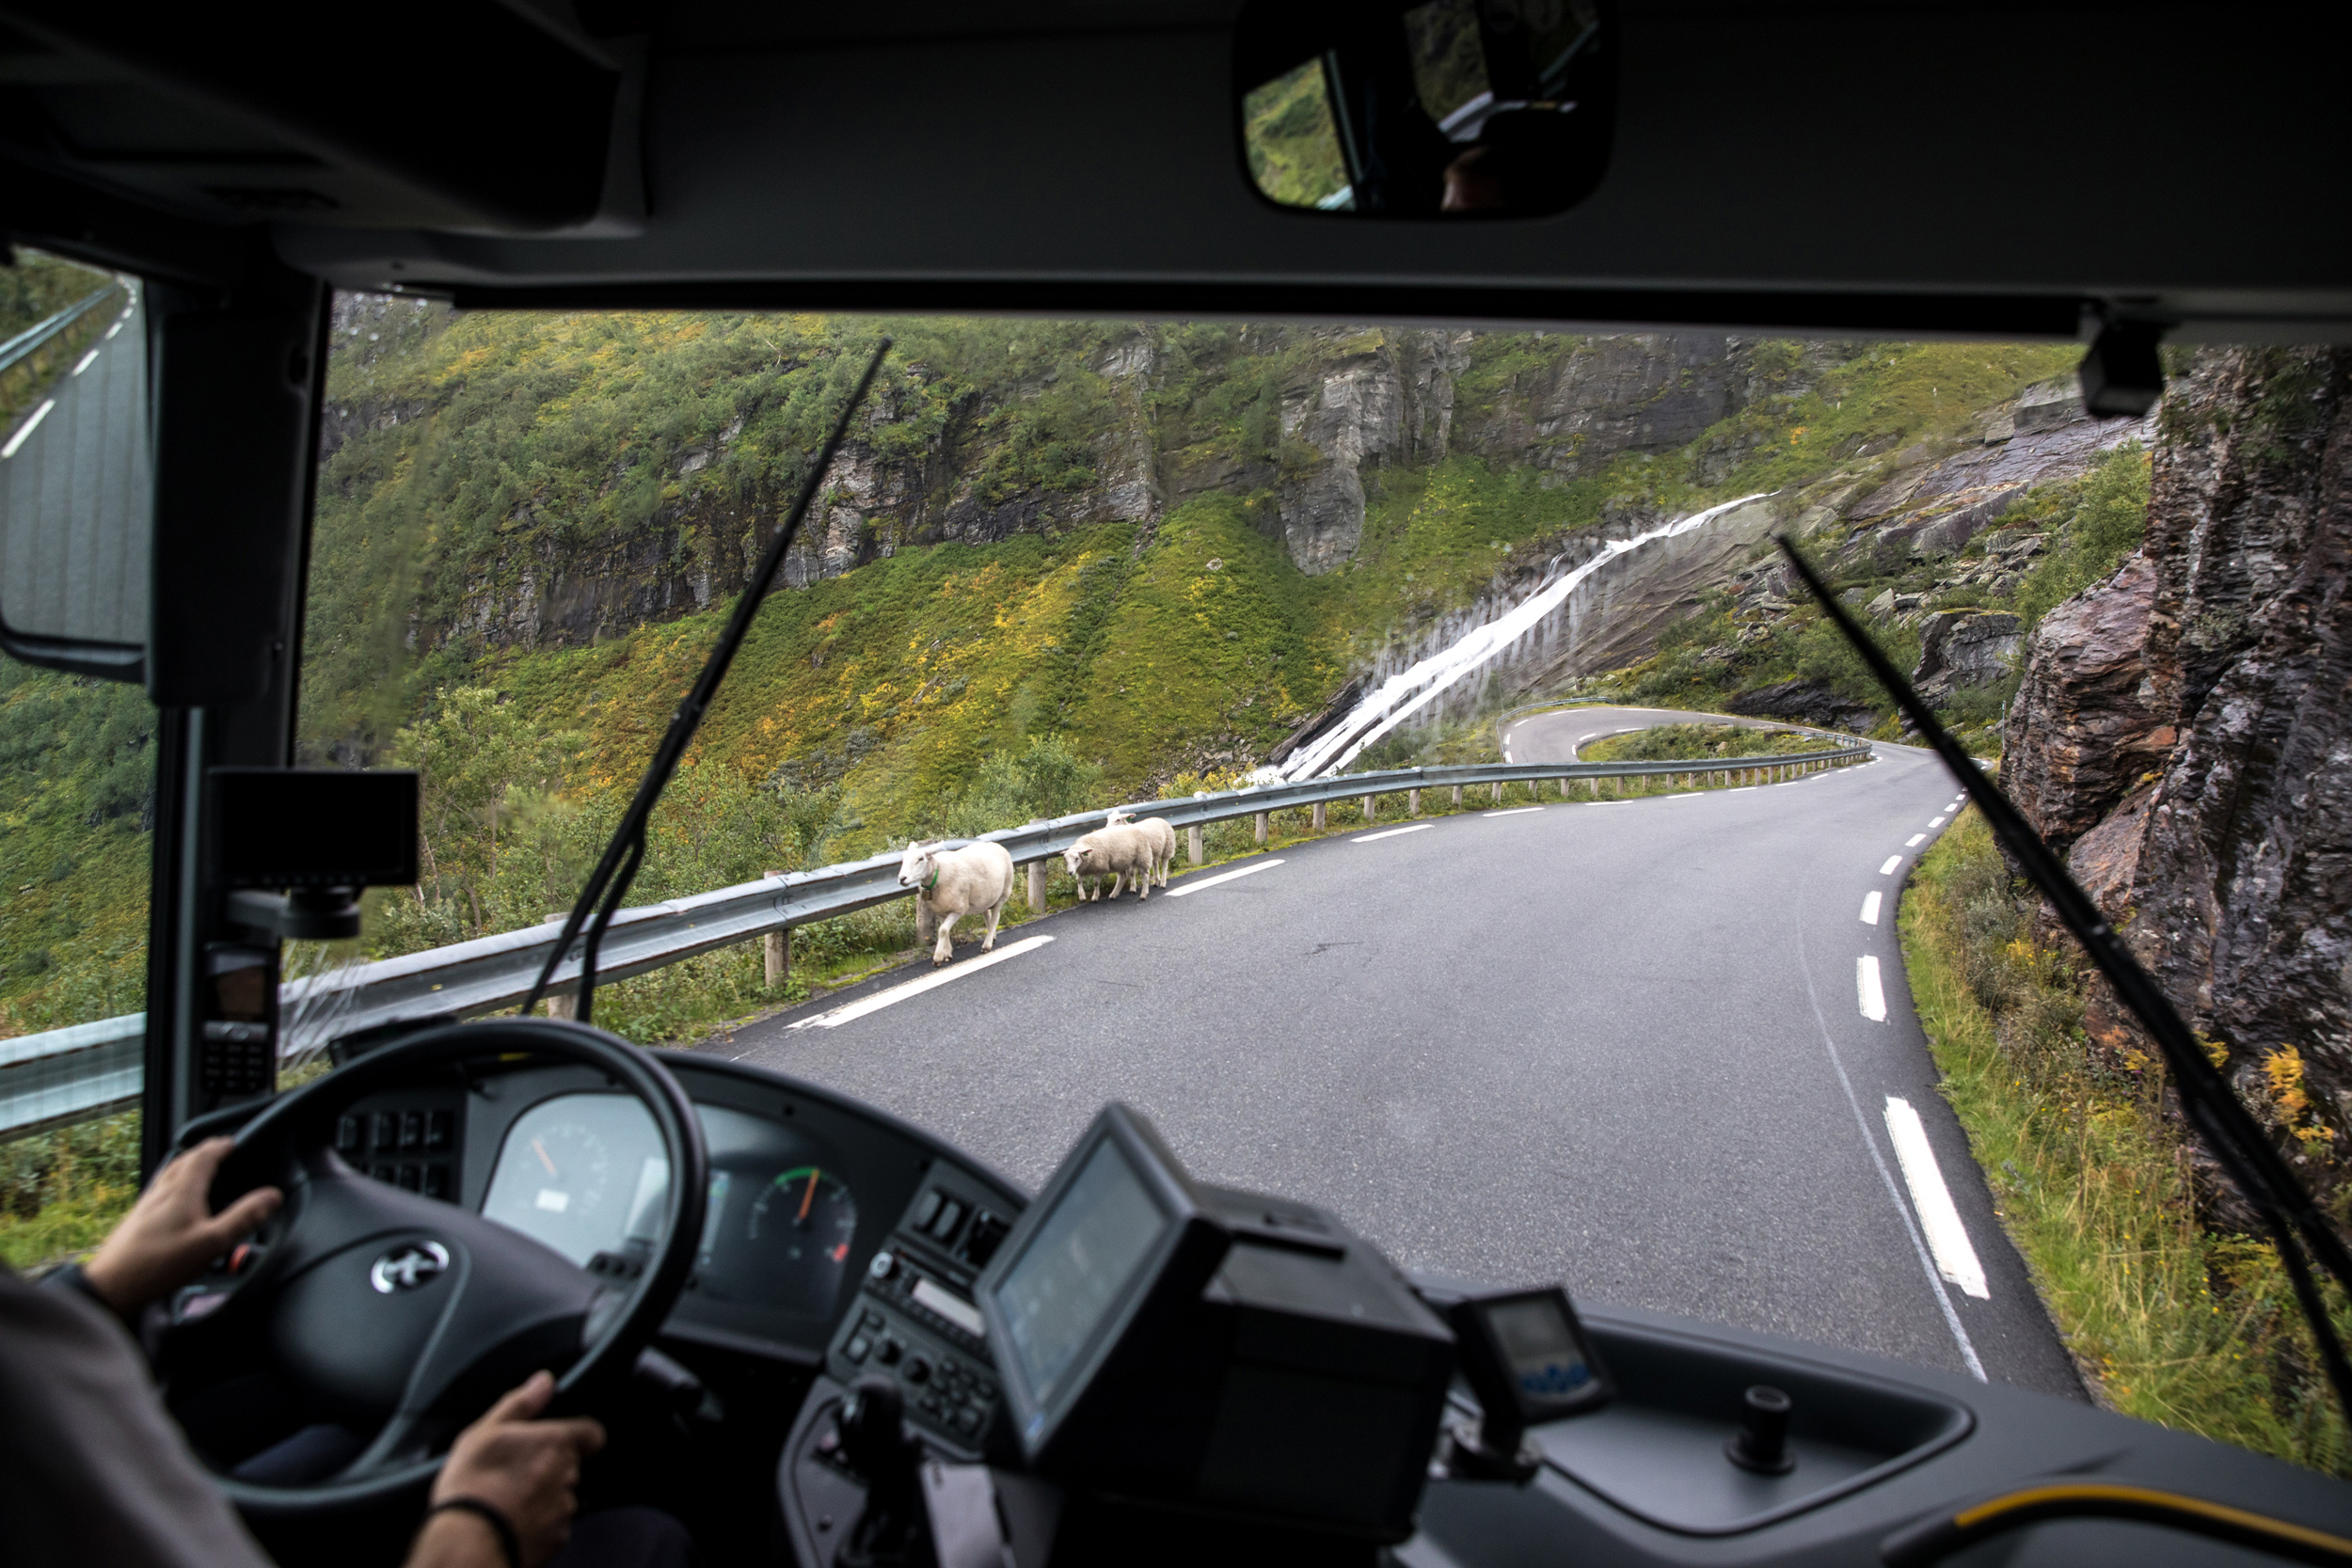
(874, 1442)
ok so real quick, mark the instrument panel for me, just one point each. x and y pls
(804, 1189)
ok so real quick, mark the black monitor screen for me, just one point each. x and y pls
(312, 827)
(1075, 1272)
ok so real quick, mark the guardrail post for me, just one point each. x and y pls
(1320, 816)
(1458, 797)
(1367, 811)
(1192, 845)
(1498, 792)
(776, 948)
(1037, 887)
(1262, 829)
(926, 923)
(563, 1004)
(1413, 802)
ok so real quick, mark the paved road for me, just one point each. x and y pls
(1621, 1045)
(75, 493)
(1556, 736)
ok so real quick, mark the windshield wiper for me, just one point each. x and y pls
(600, 899)
(2228, 1129)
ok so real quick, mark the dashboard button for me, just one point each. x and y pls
(350, 1133)
(411, 1129)
(889, 1352)
(386, 1131)
(436, 1181)
(881, 1265)
(918, 1369)
(436, 1129)
(926, 1209)
(411, 1177)
(857, 1346)
(870, 1322)
(950, 1215)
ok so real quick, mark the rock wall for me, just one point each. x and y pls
(2186, 729)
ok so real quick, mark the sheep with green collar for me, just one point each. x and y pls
(951, 883)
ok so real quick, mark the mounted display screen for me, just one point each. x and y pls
(314, 827)
(1526, 1358)
(1082, 1264)
(1115, 1248)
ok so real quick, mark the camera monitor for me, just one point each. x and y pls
(314, 827)
(1111, 1254)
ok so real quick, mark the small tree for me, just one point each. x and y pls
(473, 752)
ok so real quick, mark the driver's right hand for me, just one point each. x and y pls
(524, 1468)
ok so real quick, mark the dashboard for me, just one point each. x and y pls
(832, 1233)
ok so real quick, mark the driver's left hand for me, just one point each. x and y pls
(171, 1232)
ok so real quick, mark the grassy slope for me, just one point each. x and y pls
(2168, 1321)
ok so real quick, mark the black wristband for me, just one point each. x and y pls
(491, 1514)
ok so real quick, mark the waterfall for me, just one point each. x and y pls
(1408, 692)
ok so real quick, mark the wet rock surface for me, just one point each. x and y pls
(2231, 868)
(1808, 702)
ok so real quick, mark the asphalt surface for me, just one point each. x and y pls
(1618, 1045)
(75, 496)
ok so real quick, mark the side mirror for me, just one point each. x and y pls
(1449, 109)
(76, 481)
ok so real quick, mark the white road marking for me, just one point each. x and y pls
(1947, 1238)
(1894, 1194)
(1936, 823)
(1892, 862)
(1870, 909)
(1507, 756)
(1686, 794)
(1865, 974)
(1915, 841)
(111, 330)
(1582, 738)
(932, 981)
(1250, 870)
(1391, 832)
(1512, 811)
(26, 429)
(87, 360)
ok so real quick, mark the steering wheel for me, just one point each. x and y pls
(409, 1316)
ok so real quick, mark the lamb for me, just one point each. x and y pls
(1121, 852)
(951, 883)
(1163, 841)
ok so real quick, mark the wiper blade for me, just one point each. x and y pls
(2229, 1131)
(600, 899)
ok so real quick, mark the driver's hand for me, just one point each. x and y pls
(524, 1468)
(171, 1232)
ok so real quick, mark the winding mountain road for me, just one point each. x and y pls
(1625, 1045)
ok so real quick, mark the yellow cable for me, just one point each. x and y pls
(2112, 1492)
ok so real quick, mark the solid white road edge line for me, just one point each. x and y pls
(1507, 811)
(1947, 1238)
(1866, 976)
(1182, 888)
(1391, 832)
(1892, 862)
(932, 981)
(26, 429)
(1870, 909)
(1915, 841)
(87, 359)
(1894, 1194)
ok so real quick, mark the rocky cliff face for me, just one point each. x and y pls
(2187, 728)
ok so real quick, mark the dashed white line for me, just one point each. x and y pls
(111, 330)
(87, 360)
(1870, 909)
(1250, 870)
(1873, 996)
(1510, 811)
(1391, 832)
(1915, 841)
(1507, 756)
(932, 981)
(1936, 822)
(1947, 1238)
(26, 429)
(1892, 862)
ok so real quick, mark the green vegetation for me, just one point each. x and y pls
(61, 1191)
(1293, 148)
(2167, 1320)
(35, 287)
(1704, 742)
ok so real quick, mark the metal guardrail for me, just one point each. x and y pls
(30, 342)
(69, 1075)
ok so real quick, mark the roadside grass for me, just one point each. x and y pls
(1705, 742)
(61, 1191)
(2169, 1321)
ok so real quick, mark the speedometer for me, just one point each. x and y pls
(800, 1230)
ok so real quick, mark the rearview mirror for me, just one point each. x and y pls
(1452, 109)
(76, 491)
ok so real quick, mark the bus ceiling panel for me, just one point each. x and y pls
(448, 113)
(1833, 156)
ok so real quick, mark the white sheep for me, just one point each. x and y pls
(1163, 841)
(951, 883)
(1121, 852)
